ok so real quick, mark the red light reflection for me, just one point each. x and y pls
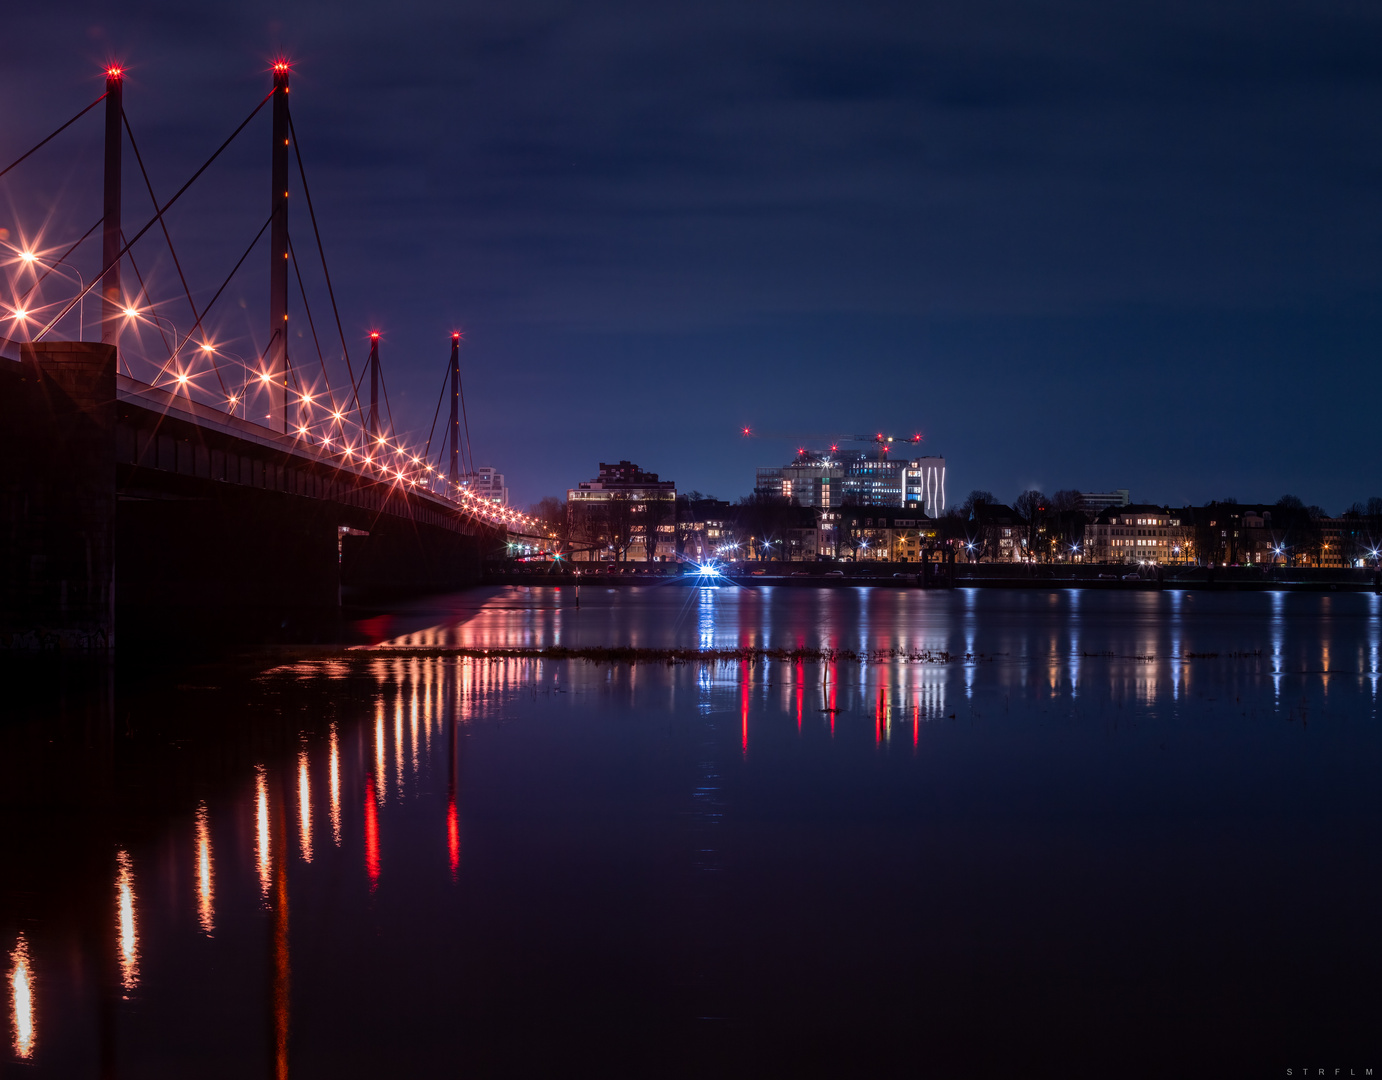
(371, 833)
(453, 836)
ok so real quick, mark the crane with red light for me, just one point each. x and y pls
(884, 442)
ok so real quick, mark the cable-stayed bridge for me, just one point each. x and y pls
(195, 485)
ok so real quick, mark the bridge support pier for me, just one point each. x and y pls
(57, 497)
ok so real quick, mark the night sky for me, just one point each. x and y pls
(1081, 245)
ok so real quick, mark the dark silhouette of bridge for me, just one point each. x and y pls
(162, 502)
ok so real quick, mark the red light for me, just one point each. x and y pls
(115, 72)
(746, 431)
(374, 335)
(456, 336)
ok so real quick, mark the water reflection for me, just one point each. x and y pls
(304, 807)
(126, 930)
(335, 785)
(263, 852)
(372, 803)
(205, 894)
(712, 788)
(22, 998)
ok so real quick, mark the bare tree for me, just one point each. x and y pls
(1065, 501)
(551, 512)
(619, 515)
(976, 499)
(654, 513)
(1031, 504)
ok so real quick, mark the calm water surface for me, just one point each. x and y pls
(1111, 834)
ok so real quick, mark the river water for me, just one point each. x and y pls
(993, 833)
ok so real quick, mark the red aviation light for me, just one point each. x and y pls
(455, 335)
(374, 335)
(115, 71)
(281, 67)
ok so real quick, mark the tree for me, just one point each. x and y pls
(1066, 501)
(654, 513)
(764, 518)
(1031, 505)
(551, 511)
(619, 520)
(976, 499)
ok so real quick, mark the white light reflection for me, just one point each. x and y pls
(398, 744)
(126, 931)
(304, 807)
(205, 894)
(379, 751)
(1277, 627)
(264, 857)
(22, 998)
(335, 787)
(412, 726)
(1176, 599)
(1374, 601)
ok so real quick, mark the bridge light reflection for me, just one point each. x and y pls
(304, 807)
(264, 857)
(22, 999)
(205, 893)
(127, 931)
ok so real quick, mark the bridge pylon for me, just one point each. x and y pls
(276, 358)
(112, 305)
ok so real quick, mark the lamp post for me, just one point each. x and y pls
(31, 259)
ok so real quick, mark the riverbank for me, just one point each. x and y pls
(971, 576)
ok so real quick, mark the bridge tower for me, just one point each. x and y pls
(112, 308)
(372, 428)
(455, 473)
(276, 359)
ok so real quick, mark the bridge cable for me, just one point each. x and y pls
(158, 216)
(331, 396)
(62, 259)
(427, 452)
(54, 135)
(388, 409)
(460, 386)
(144, 291)
(186, 291)
(222, 289)
(331, 292)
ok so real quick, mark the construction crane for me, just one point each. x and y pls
(882, 441)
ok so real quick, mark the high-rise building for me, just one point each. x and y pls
(488, 483)
(1093, 502)
(861, 478)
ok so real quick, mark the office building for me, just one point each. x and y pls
(488, 483)
(825, 479)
